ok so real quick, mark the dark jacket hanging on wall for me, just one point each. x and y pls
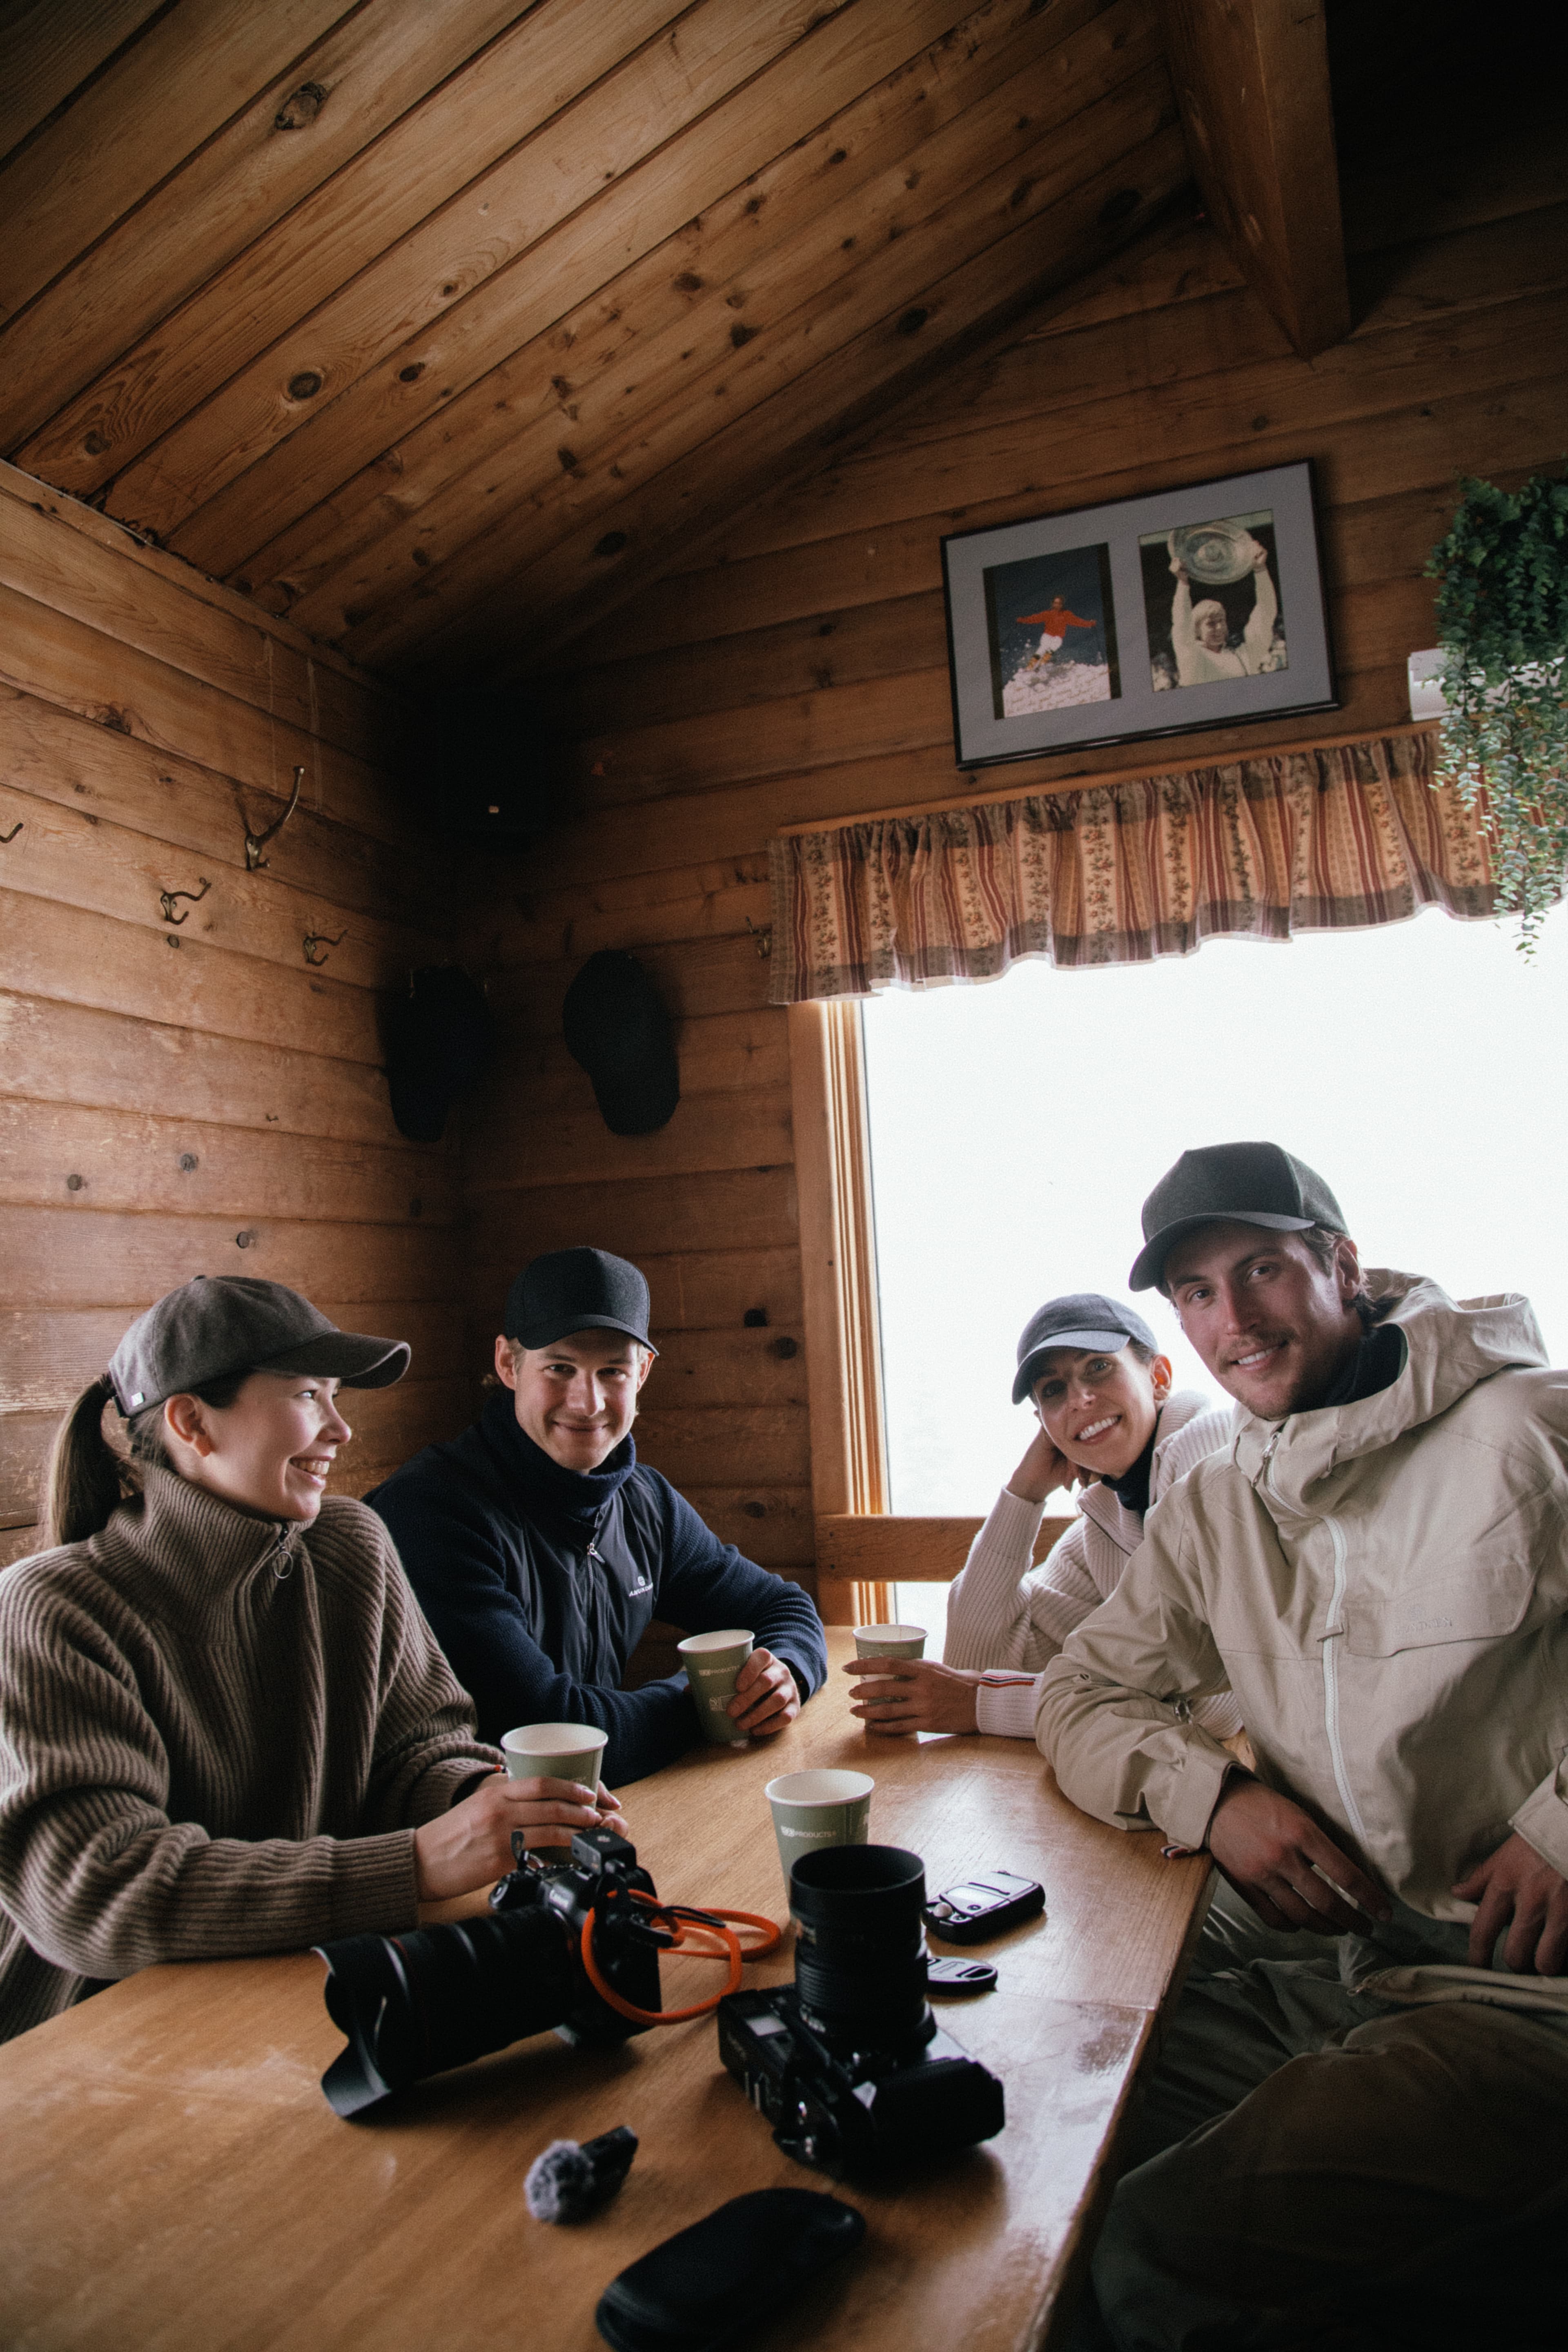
(539, 1582)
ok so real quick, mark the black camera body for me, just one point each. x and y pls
(413, 2005)
(847, 2064)
(848, 2110)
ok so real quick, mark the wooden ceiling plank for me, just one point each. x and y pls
(521, 80)
(850, 350)
(700, 188)
(634, 110)
(1252, 80)
(677, 347)
(374, 68)
(190, 72)
(50, 53)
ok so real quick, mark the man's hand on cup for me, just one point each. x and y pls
(766, 1700)
(469, 1845)
(1519, 1885)
(1272, 1851)
(909, 1694)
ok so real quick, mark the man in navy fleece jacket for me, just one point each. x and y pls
(541, 1547)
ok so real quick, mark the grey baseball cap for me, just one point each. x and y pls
(218, 1324)
(577, 1291)
(1083, 1318)
(1233, 1183)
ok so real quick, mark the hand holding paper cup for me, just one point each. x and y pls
(557, 1752)
(712, 1661)
(889, 1641)
(811, 1809)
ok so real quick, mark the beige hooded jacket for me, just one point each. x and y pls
(1385, 1587)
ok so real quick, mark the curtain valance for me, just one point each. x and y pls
(1126, 871)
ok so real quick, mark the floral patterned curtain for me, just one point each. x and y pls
(1121, 872)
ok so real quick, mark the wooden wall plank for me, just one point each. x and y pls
(73, 856)
(731, 1367)
(380, 59)
(83, 764)
(76, 958)
(707, 1133)
(197, 64)
(138, 1160)
(772, 1527)
(121, 1060)
(751, 1208)
(43, 557)
(713, 1445)
(49, 654)
(70, 1257)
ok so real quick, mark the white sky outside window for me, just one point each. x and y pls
(1017, 1125)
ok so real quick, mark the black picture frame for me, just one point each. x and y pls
(1073, 629)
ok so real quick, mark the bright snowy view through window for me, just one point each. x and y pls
(1017, 1126)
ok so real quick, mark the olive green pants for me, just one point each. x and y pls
(1299, 2146)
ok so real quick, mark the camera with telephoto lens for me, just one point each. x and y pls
(413, 2005)
(849, 2064)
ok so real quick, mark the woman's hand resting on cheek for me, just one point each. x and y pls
(471, 1845)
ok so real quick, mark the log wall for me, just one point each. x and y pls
(195, 1096)
(800, 672)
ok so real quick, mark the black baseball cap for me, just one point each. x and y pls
(1082, 1320)
(614, 1024)
(215, 1325)
(1236, 1183)
(577, 1291)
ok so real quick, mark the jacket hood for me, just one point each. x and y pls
(1451, 1346)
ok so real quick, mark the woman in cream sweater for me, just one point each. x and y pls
(1108, 1422)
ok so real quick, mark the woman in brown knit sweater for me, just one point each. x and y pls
(224, 1727)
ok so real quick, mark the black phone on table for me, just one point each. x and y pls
(985, 1904)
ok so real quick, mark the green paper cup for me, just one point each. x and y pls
(889, 1640)
(555, 1751)
(811, 1809)
(712, 1661)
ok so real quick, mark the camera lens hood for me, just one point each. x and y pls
(860, 1952)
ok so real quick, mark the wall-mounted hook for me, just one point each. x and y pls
(314, 939)
(166, 899)
(255, 843)
(16, 829)
(763, 935)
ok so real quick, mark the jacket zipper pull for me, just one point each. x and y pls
(282, 1566)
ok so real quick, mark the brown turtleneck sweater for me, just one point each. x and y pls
(217, 1734)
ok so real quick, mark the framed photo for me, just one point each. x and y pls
(1195, 608)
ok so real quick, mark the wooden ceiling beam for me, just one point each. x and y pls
(1252, 81)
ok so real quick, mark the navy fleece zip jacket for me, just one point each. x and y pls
(539, 1582)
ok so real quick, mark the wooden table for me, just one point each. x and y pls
(171, 2177)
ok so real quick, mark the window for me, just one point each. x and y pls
(1015, 1130)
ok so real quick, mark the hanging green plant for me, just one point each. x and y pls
(1502, 621)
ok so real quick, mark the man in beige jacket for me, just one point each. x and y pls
(1377, 1567)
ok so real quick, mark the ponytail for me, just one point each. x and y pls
(84, 1483)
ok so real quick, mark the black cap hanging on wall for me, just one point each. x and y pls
(617, 1028)
(439, 1038)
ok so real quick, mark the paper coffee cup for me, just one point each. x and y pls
(555, 1751)
(712, 1661)
(811, 1809)
(889, 1640)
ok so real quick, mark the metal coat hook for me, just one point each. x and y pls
(255, 843)
(763, 935)
(16, 829)
(314, 939)
(167, 899)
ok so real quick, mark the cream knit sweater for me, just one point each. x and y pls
(216, 1736)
